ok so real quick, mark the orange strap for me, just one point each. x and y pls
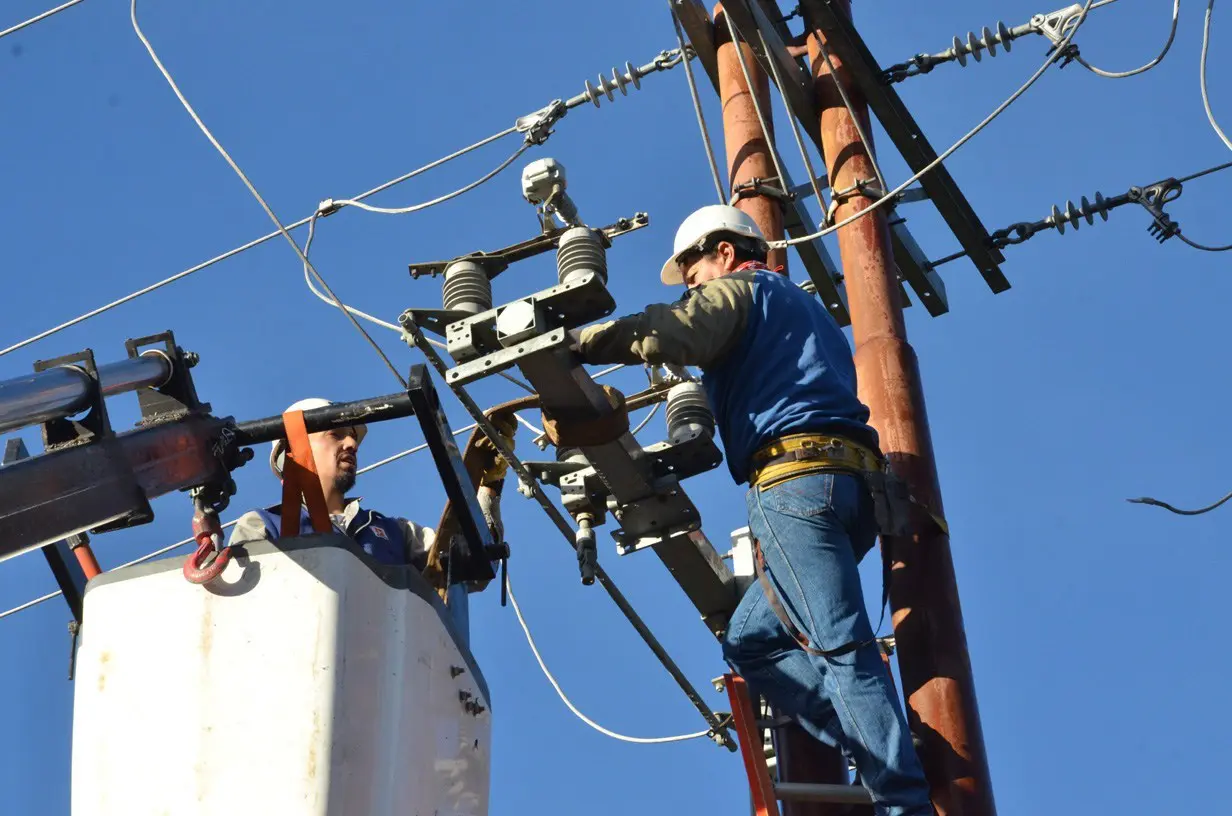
(765, 799)
(300, 479)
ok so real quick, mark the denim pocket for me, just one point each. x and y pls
(809, 495)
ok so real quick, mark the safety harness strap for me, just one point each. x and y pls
(772, 598)
(300, 479)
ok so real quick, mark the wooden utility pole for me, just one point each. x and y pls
(928, 625)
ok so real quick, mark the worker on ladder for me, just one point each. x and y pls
(779, 375)
(388, 540)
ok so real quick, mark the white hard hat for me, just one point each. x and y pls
(702, 224)
(279, 446)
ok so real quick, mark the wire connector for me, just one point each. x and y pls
(1153, 198)
(538, 125)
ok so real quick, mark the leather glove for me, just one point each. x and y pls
(494, 465)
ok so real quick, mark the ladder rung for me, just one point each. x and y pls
(818, 792)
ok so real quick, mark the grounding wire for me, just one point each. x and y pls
(1206, 99)
(893, 194)
(697, 107)
(38, 18)
(1176, 12)
(252, 189)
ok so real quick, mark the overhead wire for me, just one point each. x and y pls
(697, 106)
(1206, 99)
(372, 319)
(252, 189)
(893, 194)
(38, 18)
(795, 130)
(255, 242)
(1176, 12)
(855, 119)
(530, 640)
(353, 202)
(761, 118)
(1178, 511)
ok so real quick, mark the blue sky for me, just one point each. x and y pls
(1097, 377)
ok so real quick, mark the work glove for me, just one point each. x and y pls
(489, 505)
(494, 465)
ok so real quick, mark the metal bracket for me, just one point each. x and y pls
(473, 559)
(176, 397)
(538, 125)
(568, 305)
(95, 425)
(1153, 198)
(498, 261)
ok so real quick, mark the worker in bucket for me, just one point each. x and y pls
(389, 540)
(779, 375)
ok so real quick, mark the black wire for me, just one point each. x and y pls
(1179, 512)
(1205, 172)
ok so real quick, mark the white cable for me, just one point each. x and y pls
(351, 202)
(1176, 11)
(252, 189)
(654, 409)
(1206, 99)
(535, 650)
(893, 194)
(39, 17)
(697, 106)
(312, 228)
(538, 431)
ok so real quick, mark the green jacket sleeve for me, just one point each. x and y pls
(697, 330)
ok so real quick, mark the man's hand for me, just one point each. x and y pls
(494, 465)
(489, 504)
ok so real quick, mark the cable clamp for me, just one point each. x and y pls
(538, 125)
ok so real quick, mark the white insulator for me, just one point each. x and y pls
(688, 412)
(580, 252)
(467, 288)
(618, 82)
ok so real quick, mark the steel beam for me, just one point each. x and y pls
(846, 43)
(69, 575)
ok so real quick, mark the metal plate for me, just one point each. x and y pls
(506, 358)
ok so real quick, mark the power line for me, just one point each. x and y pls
(252, 189)
(39, 18)
(1206, 99)
(1176, 12)
(1205, 172)
(893, 194)
(530, 640)
(697, 107)
(761, 118)
(312, 227)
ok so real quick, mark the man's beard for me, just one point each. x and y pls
(344, 481)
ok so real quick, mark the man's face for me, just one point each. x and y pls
(335, 455)
(696, 268)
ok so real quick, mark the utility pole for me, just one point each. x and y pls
(748, 154)
(928, 625)
(798, 756)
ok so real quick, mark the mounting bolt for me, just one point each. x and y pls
(191, 358)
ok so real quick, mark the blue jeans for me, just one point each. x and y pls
(813, 531)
